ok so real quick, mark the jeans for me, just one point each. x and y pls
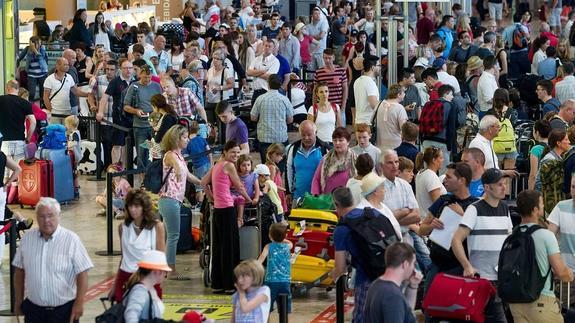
(32, 83)
(494, 311)
(140, 136)
(170, 212)
(421, 252)
(275, 290)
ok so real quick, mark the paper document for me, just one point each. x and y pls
(451, 222)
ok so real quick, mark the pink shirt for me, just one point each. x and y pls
(221, 187)
(304, 49)
(336, 180)
(121, 189)
(175, 187)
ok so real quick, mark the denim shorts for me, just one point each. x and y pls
(200, 172)
(279, 288)
(504, 156)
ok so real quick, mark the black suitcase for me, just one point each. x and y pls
(186, 241)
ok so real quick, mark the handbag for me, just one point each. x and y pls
(373, 125)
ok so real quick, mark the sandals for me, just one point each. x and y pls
(179, 277)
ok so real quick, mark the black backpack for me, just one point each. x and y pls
(520, 279)
(154, 180)
(372, 235)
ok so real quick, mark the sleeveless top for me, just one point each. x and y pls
(279, 267)
(175, 186)
(81, 68)
(134, 246)
(221, 187)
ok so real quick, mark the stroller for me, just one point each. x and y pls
(253, 235)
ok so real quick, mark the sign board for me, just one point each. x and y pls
(165, 9)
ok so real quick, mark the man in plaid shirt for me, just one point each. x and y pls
(184, 101)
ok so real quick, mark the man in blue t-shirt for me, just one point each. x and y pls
(386, 302)
(475, 158)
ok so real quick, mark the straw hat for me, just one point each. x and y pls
(154, 260)
(370, 183)
(298, 27)
(474, 62)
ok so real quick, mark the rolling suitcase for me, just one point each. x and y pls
(312, 270)
(185, 242)
(456, 297)
(250, 242)
(313, 243)
(87, 161)
(63, 177)
(35, 181)
(315, 220)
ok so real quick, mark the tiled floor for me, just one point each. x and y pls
(81, 217)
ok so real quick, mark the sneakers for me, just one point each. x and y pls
(119, 215)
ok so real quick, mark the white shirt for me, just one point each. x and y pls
(297, 98)
(567, 28)
(135, 246)
(214, 80)
(363, 88)
(486, 87)
(383, 209)
(425, 182)
(486, 147)
(60, 101)
(446, 78)
(176, 61)
(565, 89)
(325, 123)
(270, 64)
(51, 266)
(147, 48)
(398, 195)
(354, 186)
(537, 58)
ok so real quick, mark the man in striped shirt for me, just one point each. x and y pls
(336, 79)
(485, 224)
(53, 264)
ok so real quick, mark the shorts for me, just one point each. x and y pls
(118, 137)
(555, 17)
(496, 11)
(504, 156)
(200, 172)
(275, 290)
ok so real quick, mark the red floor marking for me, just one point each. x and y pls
(328, 315)
(99, 288)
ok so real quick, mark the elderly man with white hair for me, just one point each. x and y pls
(51, 270)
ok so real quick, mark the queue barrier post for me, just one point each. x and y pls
(12, 226)
(339, 298)
(282, 308)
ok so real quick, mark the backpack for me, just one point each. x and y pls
(460, 103)
(431, 118)
(372, 235)
(505, 140)
(520, 279)
(471, 94)
(551, 174)
(154, 180)
(520, 40)
(55, 137)
(316, 108)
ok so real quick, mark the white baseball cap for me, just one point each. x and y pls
(262, 169)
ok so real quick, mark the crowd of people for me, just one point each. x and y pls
(483, 111)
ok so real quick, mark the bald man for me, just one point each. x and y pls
(57, 89)
(303, 157)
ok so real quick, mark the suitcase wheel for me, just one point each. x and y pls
(206, 277)
(204, 258)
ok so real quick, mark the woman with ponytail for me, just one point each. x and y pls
(428, 186)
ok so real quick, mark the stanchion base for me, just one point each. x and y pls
(106, 253)
(95, 179)
(7, 313)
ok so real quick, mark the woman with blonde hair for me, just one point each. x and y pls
(564, 52)
(174, 176)
(326, 115)
(463, 24)
(501, 58)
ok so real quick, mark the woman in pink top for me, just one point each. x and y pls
(225, 249)
(175, 175)
(337, 166)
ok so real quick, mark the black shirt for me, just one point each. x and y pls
(13, 110)
(114, 89)
(445, 259)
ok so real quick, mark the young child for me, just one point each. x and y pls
(249, 179)
(270, 188)
(278, 271)
(364, 146)
(251, 301)
(201, 164)
(71, 123)
(406, 168)
(120, 187)
(274, 155)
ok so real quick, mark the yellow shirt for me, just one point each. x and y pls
(273, 194)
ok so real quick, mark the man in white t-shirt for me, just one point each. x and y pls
(141, 39)
(487, 85)
(57, 89)
(366, 92)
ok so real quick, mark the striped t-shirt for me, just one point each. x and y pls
(489, 227)
(335, 80)
(563, 216)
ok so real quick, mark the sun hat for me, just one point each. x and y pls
(262, 169)
(370, 183)
(474, 62)
(154, 260)
(298, 27)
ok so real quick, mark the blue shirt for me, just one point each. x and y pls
(407, 150)
(476, 188)
(552, 105)
(306, 166)
(548, 68)
(343, 241)
(279, 268)
(285, 69)
(447, 36)
(195, 146)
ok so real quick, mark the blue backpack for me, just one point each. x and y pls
(55, 137)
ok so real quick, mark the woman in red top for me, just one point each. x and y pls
(307, 44)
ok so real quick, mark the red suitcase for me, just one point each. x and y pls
(456, 297)
(35, 181)
(313, 243)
